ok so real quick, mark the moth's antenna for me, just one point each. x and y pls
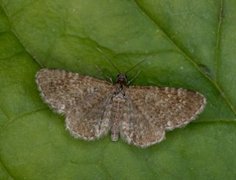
(106, 57)
(140, 62)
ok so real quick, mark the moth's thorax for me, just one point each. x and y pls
(121, 84)
(121, 79)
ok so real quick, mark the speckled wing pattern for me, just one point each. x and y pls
(153, 110)
(83, 100)
(139, 114)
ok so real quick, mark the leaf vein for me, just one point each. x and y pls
(188, 55)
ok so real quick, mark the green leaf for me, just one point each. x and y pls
(184, 44)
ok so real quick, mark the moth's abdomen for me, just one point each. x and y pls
(118, 102)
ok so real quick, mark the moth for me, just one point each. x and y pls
(140, 115)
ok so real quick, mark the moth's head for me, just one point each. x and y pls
(121, 79)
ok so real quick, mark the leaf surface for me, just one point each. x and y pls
(188, 45)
